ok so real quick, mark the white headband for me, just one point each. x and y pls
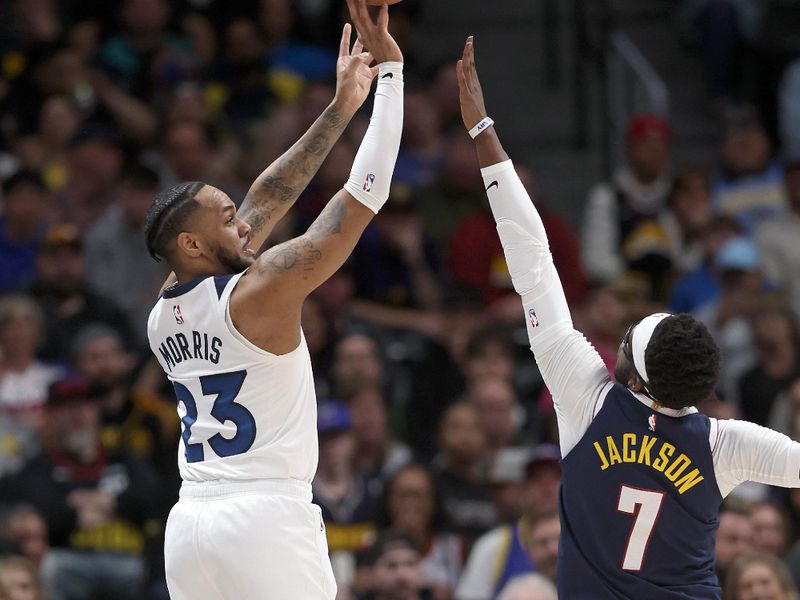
(641, 338)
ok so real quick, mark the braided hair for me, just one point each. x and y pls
(168, 215)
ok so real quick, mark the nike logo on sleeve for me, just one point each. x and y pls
(493, 184)
(389, 75)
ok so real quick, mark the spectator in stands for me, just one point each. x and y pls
(348, 504)
(750, 184)
(458, 471)
(502, 554)
(378, 454)
(531, 586)
(23, 379)
(24, 526)
(542, 543)
(701, 286)
(395, 571)
(475, 256)
(777, 239)
(357, 363)
(770, 528)
(738, 266)
(734, 536)
(116, 267)
(189, 150)
(25, 203)
(411, 505)
(759, 576)
(423, 143)
(69, 303)
(499, 414)
(621, 228)
(789, 111)
(95, 503)
(777, 339)
(689, 204)
(18, 580)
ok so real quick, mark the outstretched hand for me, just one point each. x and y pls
(375, 36)
(473, 108)
(353, 72)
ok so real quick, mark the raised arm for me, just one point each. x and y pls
(572, 369)
(274, 191)
(285, 274)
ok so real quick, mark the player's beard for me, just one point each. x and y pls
(231, 262)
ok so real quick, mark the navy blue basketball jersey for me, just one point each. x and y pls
(639, 507)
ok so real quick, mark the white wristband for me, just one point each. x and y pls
(480, 127)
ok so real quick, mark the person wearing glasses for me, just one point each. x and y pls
(643, 472)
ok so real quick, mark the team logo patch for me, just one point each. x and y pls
(368, 182)
(176, 310)
(652, 422)
(532, 316)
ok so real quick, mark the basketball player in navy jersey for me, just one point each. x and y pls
(227, 333)
(643, 473)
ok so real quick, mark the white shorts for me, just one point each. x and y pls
(259, 540)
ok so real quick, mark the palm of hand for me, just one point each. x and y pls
(355, 79)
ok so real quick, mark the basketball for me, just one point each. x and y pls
(381, 2)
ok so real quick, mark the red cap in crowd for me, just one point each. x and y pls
(642, 125)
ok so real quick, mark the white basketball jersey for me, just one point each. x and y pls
(246, 413)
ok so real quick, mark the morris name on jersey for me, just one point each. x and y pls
(652, 452)
(177, 348)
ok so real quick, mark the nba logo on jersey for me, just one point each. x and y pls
(176, 310)
(368, 182)
(652, 422)
(532, 316)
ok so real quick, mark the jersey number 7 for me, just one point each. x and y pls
(225, 386)
(645, 506)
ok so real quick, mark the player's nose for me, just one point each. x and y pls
(244, 228)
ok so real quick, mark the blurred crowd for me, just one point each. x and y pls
(439, 461)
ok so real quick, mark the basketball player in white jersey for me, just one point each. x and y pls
(227, 333)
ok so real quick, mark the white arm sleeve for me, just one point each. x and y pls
(571, 367)
(371, 176)
(748, 452)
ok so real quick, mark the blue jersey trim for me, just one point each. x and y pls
(179, 290)
(220, 281)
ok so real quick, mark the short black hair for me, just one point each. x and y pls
(387, 540)
(168, 214)
(682, 361)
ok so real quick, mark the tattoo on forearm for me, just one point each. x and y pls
(299, 253)
(287, 177)
(330, 219)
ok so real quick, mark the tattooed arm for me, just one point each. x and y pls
(274, 191)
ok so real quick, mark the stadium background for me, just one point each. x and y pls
(660, 138)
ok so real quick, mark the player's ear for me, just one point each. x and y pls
(635, 384)
(188, 244)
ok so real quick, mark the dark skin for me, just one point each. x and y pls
(266, 303)
(491, 151)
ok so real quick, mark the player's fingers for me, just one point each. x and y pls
(344, 45)
(374, 70)
(358, 47)
(462, 86)
(383, 18)
(355, 7)
(365, 57)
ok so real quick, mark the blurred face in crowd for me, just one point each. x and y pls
(491, 361)
(103, 361)
(411, 500)
(188, 151)
(356, 361)
(186, 104)
(745, 150)
(94, 167)
(20, 332)
(461, 437)
(774, 336)
(444, 92)
(604, 314)
(648, 155)
(25, 209)
(276, 18)
(769, 529)
(734, 538)
(396, 574)
(243, 45)
(61, 72)
(336, 451)
(421, 123)
(494, 401)
(61, 269)
(58, 120)
(543, 545)
(18, 583)
(759, 581)
(368, 413)
(135, 198)
(76, 424)
(718, 232)
(540, 491)
(690, 203)
(29, 530)
(145, 16)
